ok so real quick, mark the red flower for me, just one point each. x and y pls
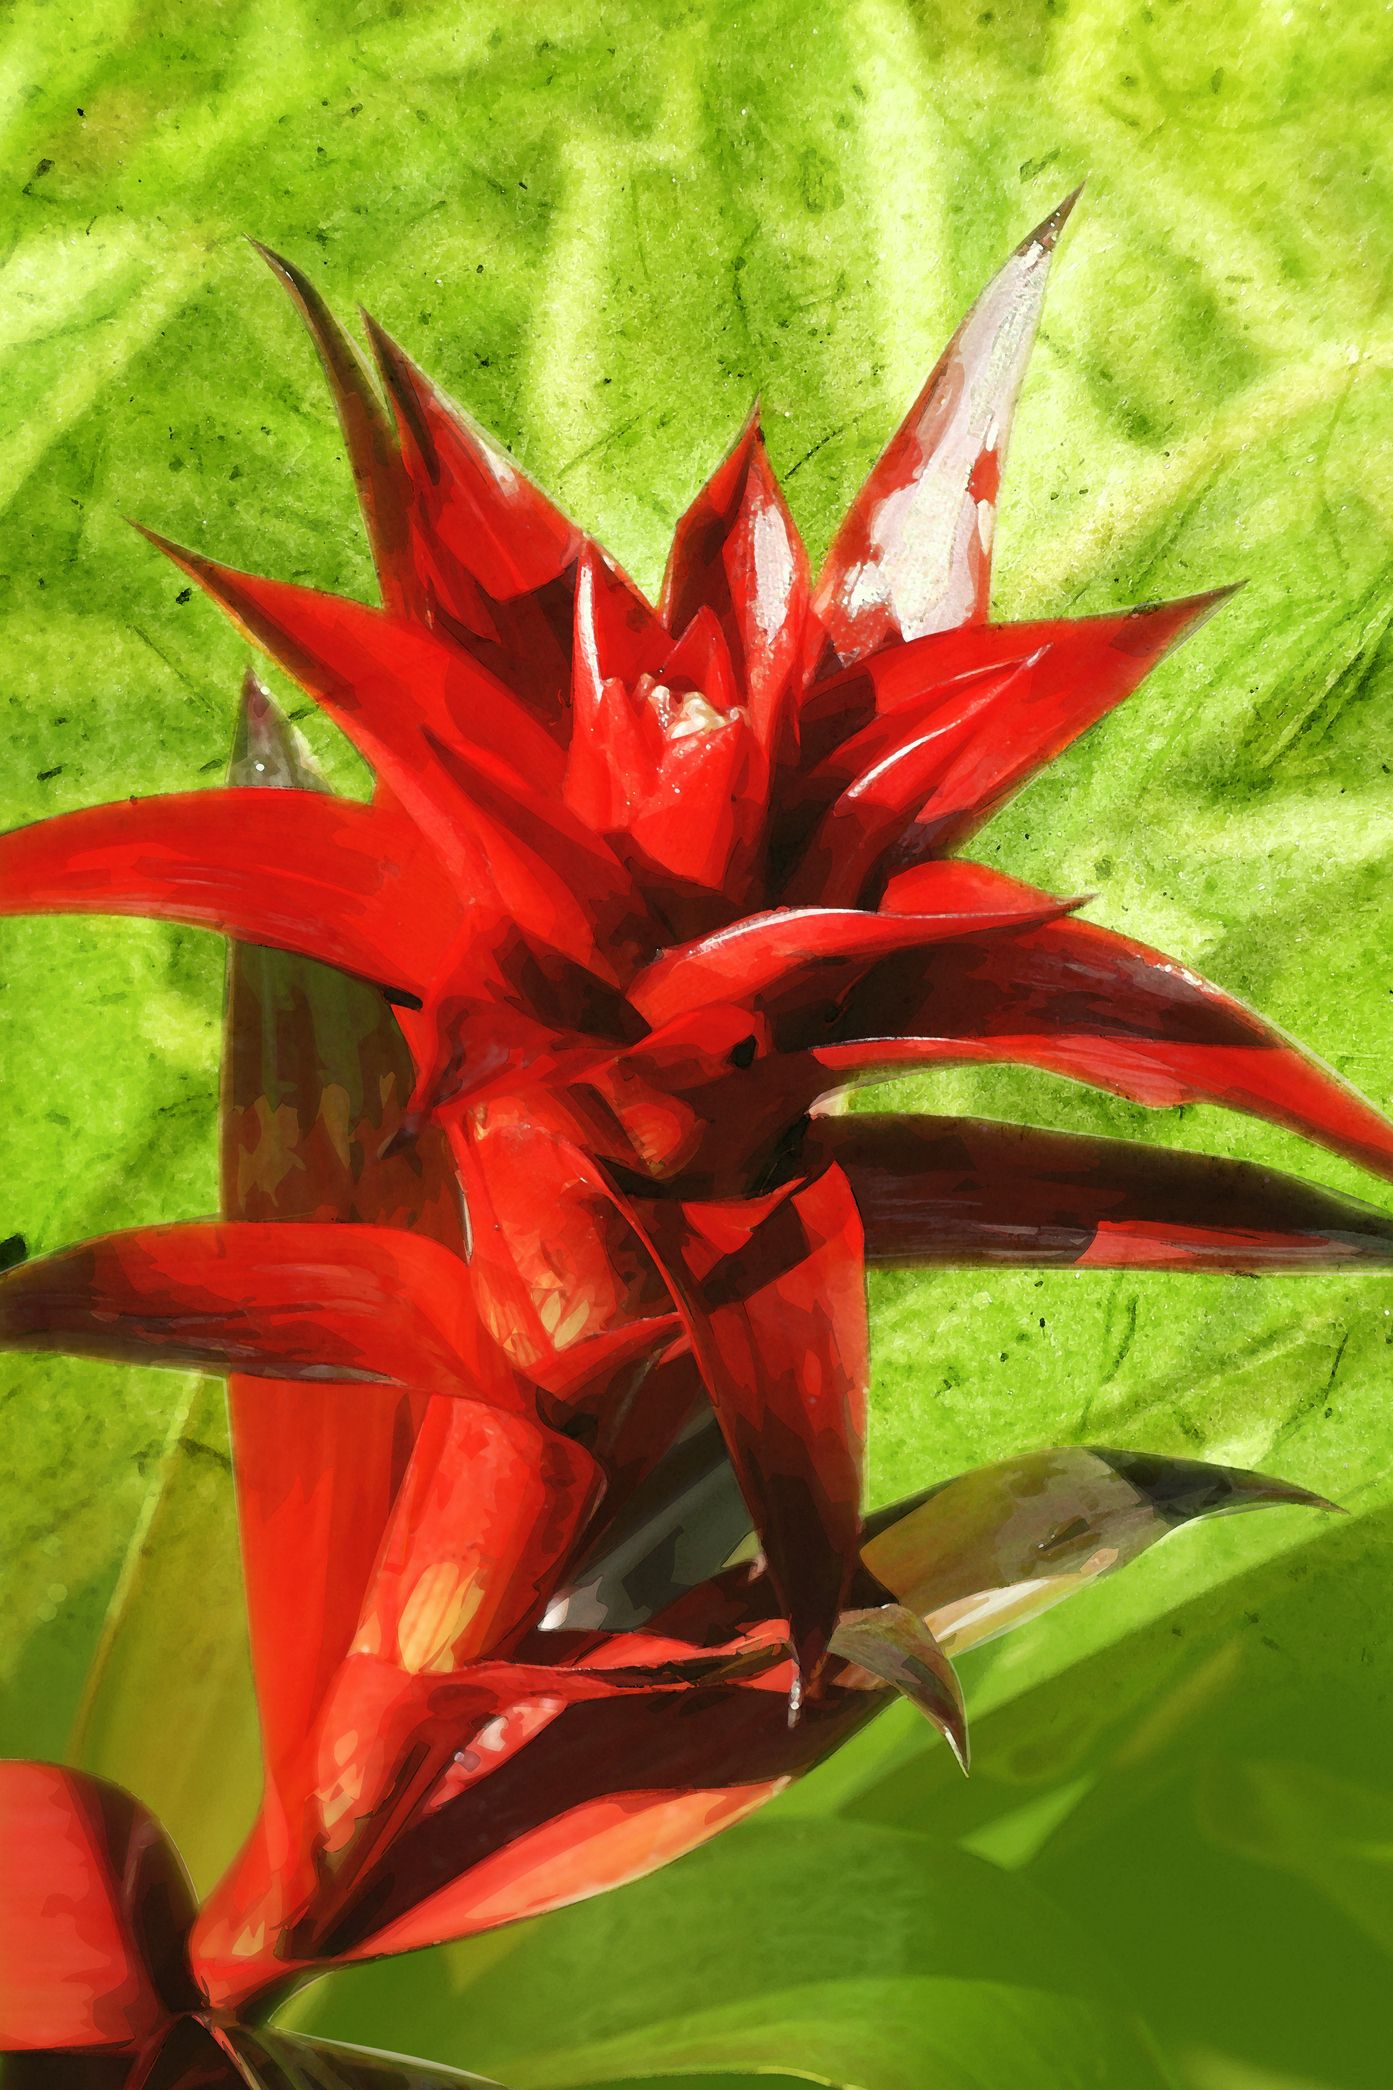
(541, 1271)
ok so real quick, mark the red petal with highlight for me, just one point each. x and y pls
(914, 554)
(736, 551)
(348, 884)
(763, 958)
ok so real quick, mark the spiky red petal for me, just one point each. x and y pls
(965, 1191)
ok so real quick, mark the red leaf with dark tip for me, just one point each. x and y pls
(480, 776)
(736, 551)
(348, 884)
(931, 737)
(771, 1295)
(495, 559)
(607, 1790)
(361, 1303)
(988, 1550)
(775, 1309)
(378, 471)
(476, 501)
(914, 554)
(966, 1191)
(94, 1912)
(1078, 1000)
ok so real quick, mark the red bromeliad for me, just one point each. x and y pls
(541, 1272)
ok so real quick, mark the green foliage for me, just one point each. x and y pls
(832, 1943)
(604, 227)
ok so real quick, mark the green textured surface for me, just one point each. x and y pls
(604, 227)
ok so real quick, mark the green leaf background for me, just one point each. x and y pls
(604, 227)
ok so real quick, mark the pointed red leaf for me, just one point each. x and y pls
(495, 560)
(465, 760)
(966, 1191)
(373, 452)
(1079, 1000)
(914, 554)
(576, 1799)
(350, 885)
(766, 958)
(359, 1303)
(397, 690)
(612, 761)
(928, 739)
(617, 635)
(771, 1294)
(736, 551)
(94, 1910)
(475, 500)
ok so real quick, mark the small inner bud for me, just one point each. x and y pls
(681, 715)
